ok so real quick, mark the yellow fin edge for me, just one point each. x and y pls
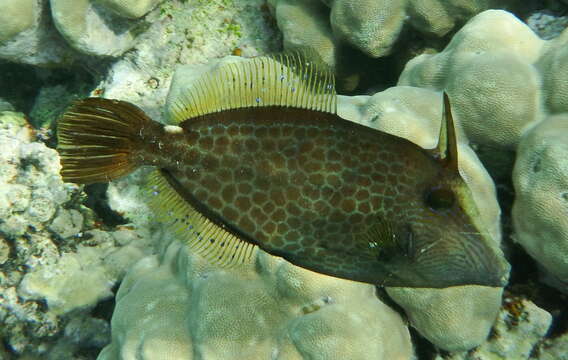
(203, 237)
(288, 80)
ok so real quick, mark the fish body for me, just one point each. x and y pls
(326, 194)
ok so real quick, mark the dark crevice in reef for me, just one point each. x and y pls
(104, 309)
(21, 84)
(525, 280)
(423, 348)
(97, 200)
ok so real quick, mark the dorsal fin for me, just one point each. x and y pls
(447, 147)
(203, 237)
(281, 80)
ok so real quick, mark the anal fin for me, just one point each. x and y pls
(204, 237)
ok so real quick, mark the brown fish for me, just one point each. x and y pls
(261, 160)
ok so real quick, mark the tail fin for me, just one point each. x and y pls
(97, 139)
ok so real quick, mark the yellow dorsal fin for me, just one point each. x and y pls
(281, 80)
(203, 236)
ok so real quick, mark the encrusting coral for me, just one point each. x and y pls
(517, 334)
(374, 27)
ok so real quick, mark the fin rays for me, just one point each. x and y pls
(285, 80)
(204, 237)
(96, 139)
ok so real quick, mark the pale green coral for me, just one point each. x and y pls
(372, 26)
(99, 28)
(132, 9)
(502, 78)
(178, 306)
(517, 334)
(541, 202)
(16, 16)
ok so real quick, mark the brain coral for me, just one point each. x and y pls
(502, 78)
(177, 306)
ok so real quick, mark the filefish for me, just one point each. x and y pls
(257, 158)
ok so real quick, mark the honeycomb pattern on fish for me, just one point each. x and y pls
(291, 181)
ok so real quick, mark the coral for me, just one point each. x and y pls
(179, 306)
(518, 330)
(541, 203)
(132, 9)
(5, 106)
(186, 33)
(554, 349)
(55, 267)
(38, 43)
(502, 79)
(16, 16)
(346, 34)
(88, 27)
(305, 27)
(440, 314)
(87, 30)
(373, 27)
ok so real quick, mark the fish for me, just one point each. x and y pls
(255, 158)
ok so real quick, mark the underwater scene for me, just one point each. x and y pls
(284, 179)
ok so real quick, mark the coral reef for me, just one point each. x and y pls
(342, 33)
(178, 306)
(373, 27)
(53, 260)
(502, 79)
(541, 202)
(517, 332)
(57, 32)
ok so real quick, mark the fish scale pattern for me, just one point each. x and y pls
(289, 181)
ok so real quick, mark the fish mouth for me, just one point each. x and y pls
(443, 266)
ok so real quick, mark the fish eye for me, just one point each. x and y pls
(439, 198)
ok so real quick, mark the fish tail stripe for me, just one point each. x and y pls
(203, 237)
(97, 138)
(287, 80)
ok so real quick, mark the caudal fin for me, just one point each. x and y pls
(97, 140)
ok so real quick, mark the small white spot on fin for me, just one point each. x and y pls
(172, 129)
